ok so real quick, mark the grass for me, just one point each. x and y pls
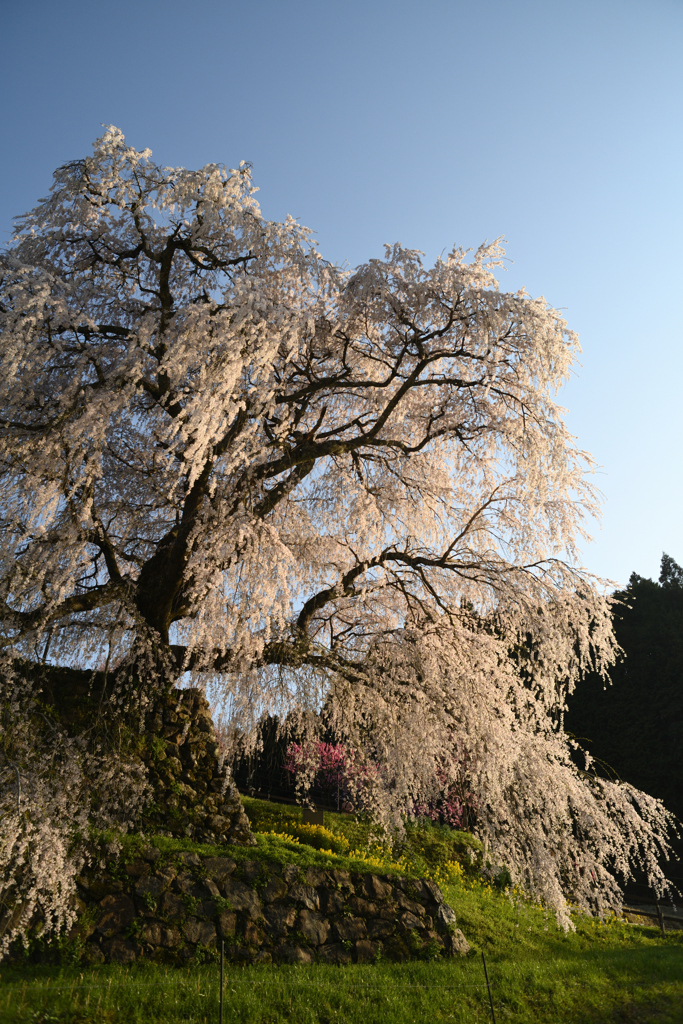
(424, 850)
(611, 972)
(343, 842)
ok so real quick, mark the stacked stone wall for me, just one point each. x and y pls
(175, 909)
(193, 795)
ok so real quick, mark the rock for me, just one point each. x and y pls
(432, 891)
(332, 902)
(149, 886)
(280, 919)
(306, 895)
(199, 931)
(137, 868)
(361, 907)
(83, 929)
(97, 887)
(251, 869)
(218, 824)
(334, 953)
(409, 922)
(242, 897)
(156, 933)
(117, 913)
(396, 949)
(290, 873)
(121, 951)
(219, 867)
(211, 887)
(263, 957)
(226, 923)
(293, 955)
(456, 944)
(92, 955)
(172, 906)
(342, 879)
(274, 890)
(350, 929)
(186, 884)
(366, 951)
(240, 834)
(151, 853)
(253, 935)
(375, 888)
(411, 905)
(379, 929)
(316, 876)
(313, 927)
(190, 859)
(445, 917)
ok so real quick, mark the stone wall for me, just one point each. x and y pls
(192, 794)
(177, 908)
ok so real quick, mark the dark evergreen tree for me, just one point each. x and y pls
(635, 726)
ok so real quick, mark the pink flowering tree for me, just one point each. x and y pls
(226, 459)
(330, 769)
(453, 803)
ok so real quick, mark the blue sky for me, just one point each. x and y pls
(555, 124)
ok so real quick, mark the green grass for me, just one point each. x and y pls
(572, 981)
(425, 849)
(344, 842)
(611, 972)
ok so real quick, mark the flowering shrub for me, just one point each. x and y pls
(317, 836)
(330, 769)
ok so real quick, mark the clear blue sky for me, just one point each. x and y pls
(555, 123)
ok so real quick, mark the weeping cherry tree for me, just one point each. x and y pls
(225, 460)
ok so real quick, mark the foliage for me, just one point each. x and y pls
(634, 726)
(54, 788)
(537, 970)
(422, 849)
(221, 455)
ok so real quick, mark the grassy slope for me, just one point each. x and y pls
(601, 973)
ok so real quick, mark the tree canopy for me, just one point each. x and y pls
(223, 456)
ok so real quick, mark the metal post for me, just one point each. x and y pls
(220, 1003)
(486, 975)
